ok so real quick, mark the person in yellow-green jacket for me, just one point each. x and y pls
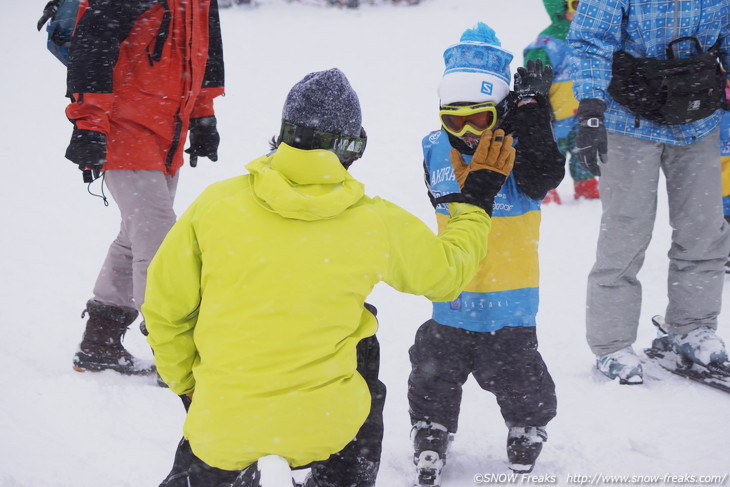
(255, 302)
(552, 49)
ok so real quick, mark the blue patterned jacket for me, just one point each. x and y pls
(643, 28)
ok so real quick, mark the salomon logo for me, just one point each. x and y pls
(487, 87)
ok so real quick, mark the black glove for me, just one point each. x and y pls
(534, 81)
(591, 144)
(49, 13)
(204, 139)
(87, 150)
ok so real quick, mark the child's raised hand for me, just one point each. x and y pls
(494, 152)
(490, 165)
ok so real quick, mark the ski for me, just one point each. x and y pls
(715, 375)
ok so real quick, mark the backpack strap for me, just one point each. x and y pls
(714, 50)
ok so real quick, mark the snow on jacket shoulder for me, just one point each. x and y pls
(255, 301)
(139, 70)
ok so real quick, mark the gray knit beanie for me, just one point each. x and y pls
(324, 101)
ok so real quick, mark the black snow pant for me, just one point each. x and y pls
(356, 465)
(190, 471)
(505, 362)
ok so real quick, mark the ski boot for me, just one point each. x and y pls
(663, 352)
(623, 365)
(524, 444)
(552, 196)
(101, 347)
(587, 189)
(430, 443)
(701, 345)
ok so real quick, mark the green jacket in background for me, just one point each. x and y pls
(552, 48)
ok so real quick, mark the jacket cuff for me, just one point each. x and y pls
(204, 103)
(91, 111)
(591, 108)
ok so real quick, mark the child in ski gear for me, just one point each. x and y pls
(255, 300)
(139, 78)
(629, 150)
(488, 331)
(552, 49)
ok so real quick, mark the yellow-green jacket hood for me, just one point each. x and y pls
(304, 185)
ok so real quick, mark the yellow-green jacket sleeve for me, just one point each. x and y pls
(438, 267)
(172, 300)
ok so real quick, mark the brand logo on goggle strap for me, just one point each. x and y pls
(348, 145)
(487, 87)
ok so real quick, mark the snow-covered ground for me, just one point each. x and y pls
(62, 428)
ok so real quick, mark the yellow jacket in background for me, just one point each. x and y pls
(255, 302)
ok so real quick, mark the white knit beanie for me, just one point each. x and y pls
(477, 68)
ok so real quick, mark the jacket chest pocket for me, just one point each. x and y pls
(154, 63)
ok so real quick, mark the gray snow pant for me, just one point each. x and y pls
(145, 200)
(700, 238)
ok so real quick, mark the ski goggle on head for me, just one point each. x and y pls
(348, 149)
(460, 119)
(572, 5)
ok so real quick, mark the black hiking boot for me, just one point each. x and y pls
(101, 347)
(430, 444)
(524, 444)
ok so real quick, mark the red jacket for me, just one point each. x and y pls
(139, 70)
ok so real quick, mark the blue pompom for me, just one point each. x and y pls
(481, 33)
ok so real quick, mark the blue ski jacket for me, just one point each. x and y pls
(505, 291)
(644, 29)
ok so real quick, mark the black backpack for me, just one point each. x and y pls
(671, 91)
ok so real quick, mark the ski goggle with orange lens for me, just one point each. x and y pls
(572, 5)
(460, 119)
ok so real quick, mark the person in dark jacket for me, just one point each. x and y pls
(489, 330)
(141, 76)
